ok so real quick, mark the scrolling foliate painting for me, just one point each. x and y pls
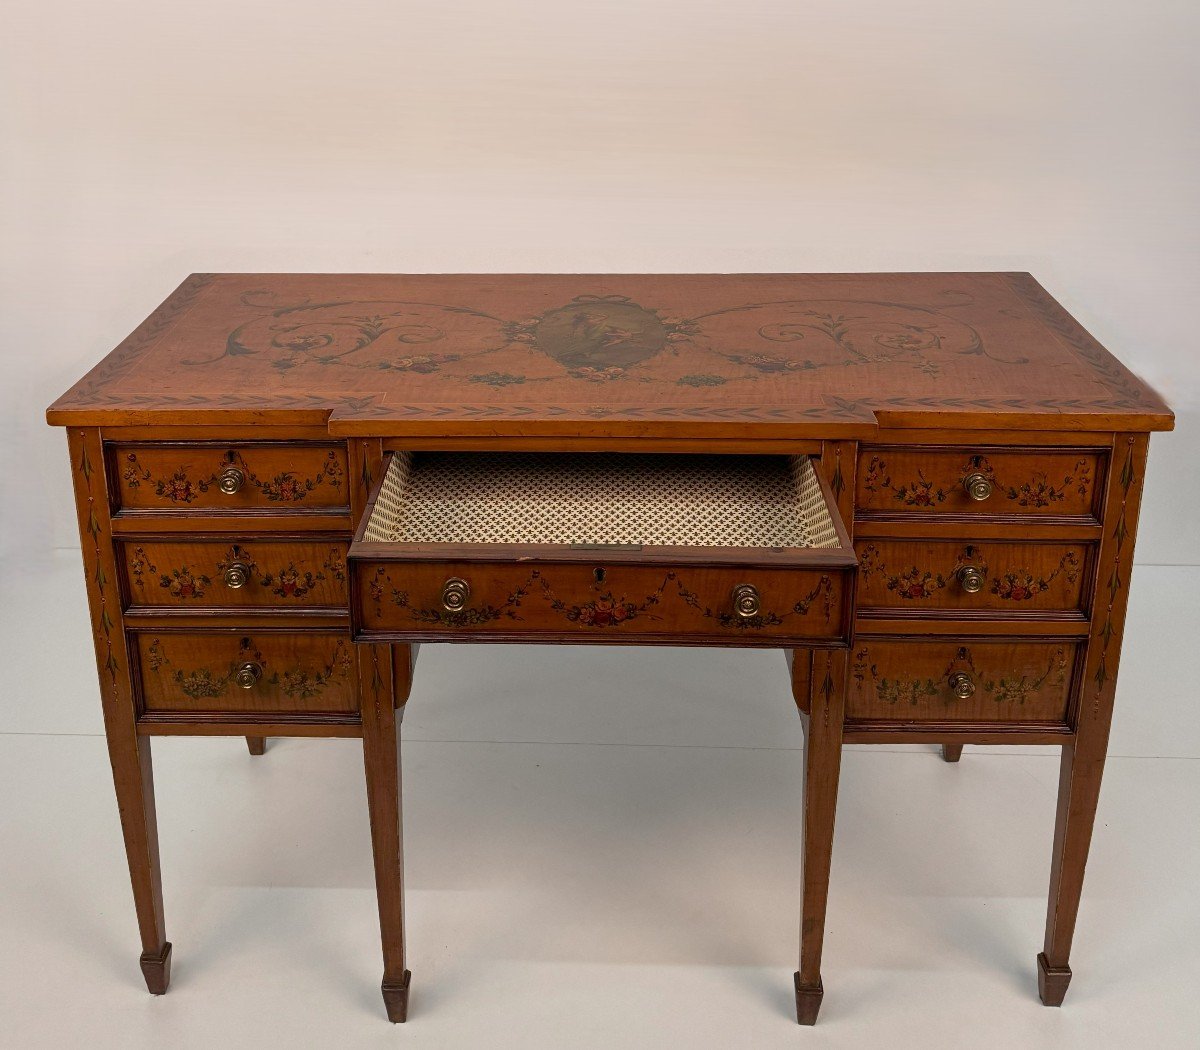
(602, 609)
(597, 338)
(791, 350)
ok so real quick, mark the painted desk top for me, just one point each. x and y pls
(738, 356)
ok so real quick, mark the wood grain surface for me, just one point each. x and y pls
(196, 671)
(925, 482)
(595, 602)
(923, 577)
(908, 680)
(183, 478)
(194, 573)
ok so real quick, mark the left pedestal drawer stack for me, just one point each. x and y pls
(231, 559)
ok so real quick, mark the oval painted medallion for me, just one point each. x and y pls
(592, 332)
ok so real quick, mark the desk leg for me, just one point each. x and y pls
(381, 755)
(257, 745)
(128, 752)
(1083, 757)
(133, 776)
(822, 765)
(1078, 794)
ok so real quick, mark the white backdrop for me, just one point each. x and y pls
(141, 140)
(144, 140)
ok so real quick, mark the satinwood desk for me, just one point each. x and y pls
(924, 488)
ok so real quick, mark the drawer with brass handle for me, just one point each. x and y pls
(960, 680)
(207, 478)
(739, 550)
(903, 482)
(596, 600)
(204, 573)
(954, 578)
(256, 671)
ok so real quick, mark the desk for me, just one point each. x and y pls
(923, 488)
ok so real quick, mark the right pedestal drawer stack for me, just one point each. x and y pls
(974, 587)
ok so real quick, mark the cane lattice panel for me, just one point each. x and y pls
(597, 498)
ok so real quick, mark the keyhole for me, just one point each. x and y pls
(598, 575)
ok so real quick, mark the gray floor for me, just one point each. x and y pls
(603, 850)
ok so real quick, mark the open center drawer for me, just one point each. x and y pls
(599, 547)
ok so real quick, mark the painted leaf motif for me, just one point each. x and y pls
(1127, 472)
(838, 484)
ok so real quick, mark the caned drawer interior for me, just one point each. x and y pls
(597, 547)
(599, 500)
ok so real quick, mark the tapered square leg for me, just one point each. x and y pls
(134, 780)
(1082, 765)
(951, 752)
(128, 752)
(823, 758)
(257, 745)
(1078, 796)
(381, 761)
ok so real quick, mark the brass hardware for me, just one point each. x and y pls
(971, 579)
(231, 480)
(978, 486)
(455, 593)
(237, 575)
(248, 675)
(746, 602)
(961, 685)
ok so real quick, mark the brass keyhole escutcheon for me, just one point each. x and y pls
(961, 685)
(455, 593)
(248, 675)
(599, 575)
(237, 575)
(746, 602)
(231, 480)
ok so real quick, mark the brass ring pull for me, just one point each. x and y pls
(237, 575)
(746, 602)
(248, 675)
(455, 593)
(971, 579)
(978, 486)
(961, 685)
(231, 480)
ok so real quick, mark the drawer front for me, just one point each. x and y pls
(209, 478)
(1017, 681)
(592, 602)
(1005, 578)
(260, 671)
(250, 574)
(905, 481)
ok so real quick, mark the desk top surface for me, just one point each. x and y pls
(748, 356)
